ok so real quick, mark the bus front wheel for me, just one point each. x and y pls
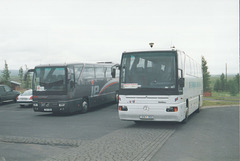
(186, 118)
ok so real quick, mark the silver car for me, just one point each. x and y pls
(25, 99)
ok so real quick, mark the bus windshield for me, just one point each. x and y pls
(49, 79)
(148, 70)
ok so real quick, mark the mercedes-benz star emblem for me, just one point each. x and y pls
(145, 108)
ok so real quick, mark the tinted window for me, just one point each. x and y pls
(78, 70)
(108, 72)
(88, 73)
(149, 70)
(49, 79)
(99, 72)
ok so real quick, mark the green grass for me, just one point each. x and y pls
(218, 103)
(221, 98)
(224, 96)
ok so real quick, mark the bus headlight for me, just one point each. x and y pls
(61, 104)
(123, 108)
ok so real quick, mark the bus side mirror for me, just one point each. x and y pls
(113, 73)
(113, 70)
(181, 82)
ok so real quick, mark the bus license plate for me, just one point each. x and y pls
(147, 117)
(47, 109)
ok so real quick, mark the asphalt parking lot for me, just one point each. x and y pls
(213, 134)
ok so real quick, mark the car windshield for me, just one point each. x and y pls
(148, 70)
(49, 79)
(27, 93)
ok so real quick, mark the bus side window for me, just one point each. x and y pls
(88, 73)
(188, 66)
(180, 64)
(71, 77)
(99, 72)
(108, 72)
(78, 70)
(117, 73)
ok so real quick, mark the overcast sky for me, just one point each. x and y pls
(34, 32)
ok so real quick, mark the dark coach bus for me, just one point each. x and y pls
(67, 88)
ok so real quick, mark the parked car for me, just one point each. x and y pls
(25, 99)
(7, 94)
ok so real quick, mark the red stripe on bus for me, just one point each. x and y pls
(107, 87)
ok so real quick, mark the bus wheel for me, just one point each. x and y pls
(84, 106)
(186, 118)
(198, 110)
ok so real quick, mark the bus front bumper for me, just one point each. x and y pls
(152, 112)
(50, 107)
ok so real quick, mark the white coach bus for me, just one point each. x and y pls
(159, 85)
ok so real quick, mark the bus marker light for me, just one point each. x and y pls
(175, 109)
(172, 109)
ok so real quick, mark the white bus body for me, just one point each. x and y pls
(159, 85)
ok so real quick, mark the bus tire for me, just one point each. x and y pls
(185, 120)
(198, 109)
(85, 106)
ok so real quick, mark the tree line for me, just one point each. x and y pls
(222, 84)
(5, 77)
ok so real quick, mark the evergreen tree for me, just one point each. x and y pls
(223, 83)
(20, 74)
(233, 87)
(27, 83)
(206, 76)
(6, 75)
(217, 86)
(237, 81)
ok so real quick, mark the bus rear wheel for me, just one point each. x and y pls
(85, 106)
